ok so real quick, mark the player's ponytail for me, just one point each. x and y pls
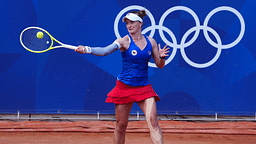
(142, 13)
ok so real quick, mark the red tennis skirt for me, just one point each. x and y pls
(123, 94)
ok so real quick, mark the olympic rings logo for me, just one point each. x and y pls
(183, 44)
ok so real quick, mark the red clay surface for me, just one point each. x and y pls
(101, 132)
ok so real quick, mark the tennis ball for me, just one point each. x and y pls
(40, 35)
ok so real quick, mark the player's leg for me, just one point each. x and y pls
(122, 116)
(149, 108)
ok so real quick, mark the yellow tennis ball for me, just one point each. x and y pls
(40, 35)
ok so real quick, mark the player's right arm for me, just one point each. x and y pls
(124, 43)
(120, 43)
(99, 51)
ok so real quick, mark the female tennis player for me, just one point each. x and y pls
(132, 83)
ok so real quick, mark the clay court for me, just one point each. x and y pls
(101, 132)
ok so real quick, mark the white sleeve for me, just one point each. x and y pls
(103, 51)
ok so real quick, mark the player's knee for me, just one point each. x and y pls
(153, 122)
(121, 126)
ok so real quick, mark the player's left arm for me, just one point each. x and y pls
(158, 53)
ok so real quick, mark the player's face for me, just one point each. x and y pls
(133, 26)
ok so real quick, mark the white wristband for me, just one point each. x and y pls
(88, 49)
(119, 46)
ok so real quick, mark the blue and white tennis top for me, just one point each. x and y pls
(134, 70)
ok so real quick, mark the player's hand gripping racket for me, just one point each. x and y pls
(38, 40)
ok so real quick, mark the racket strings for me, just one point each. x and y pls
(31, 42)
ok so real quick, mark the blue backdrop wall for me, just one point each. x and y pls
(211, 67)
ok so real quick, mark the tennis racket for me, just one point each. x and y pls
(30, 41)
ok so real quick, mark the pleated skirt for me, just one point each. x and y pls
(123, 94)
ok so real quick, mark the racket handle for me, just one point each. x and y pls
(70, 47)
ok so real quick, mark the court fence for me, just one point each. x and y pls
(134, 116)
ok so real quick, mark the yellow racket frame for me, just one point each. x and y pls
(52, 38)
